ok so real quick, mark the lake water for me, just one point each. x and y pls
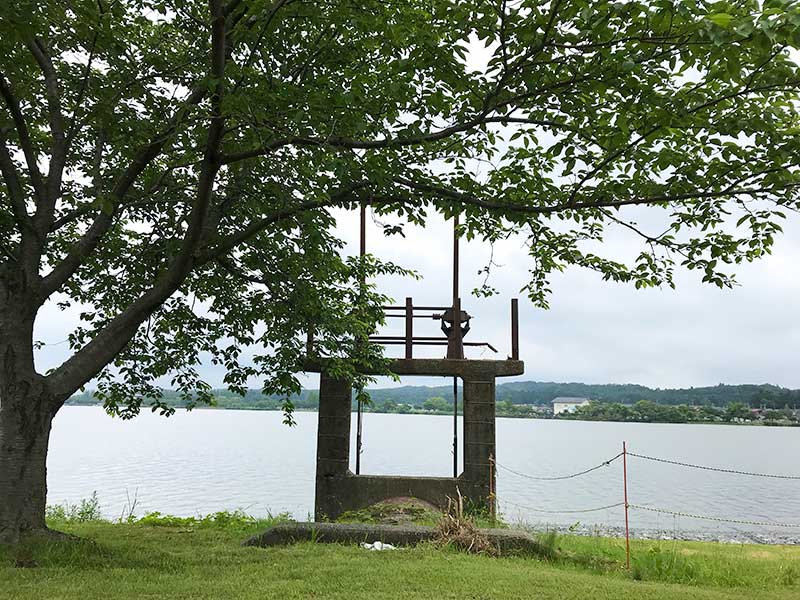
(210, 460)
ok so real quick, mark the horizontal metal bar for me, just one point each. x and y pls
(403, 308)
(487, 344)
(380, 338)
(414, 316)
(402, 342)
(426, 338)
(422, 340)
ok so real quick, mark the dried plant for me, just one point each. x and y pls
(459, 531)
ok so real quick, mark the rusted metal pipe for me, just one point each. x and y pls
(515, 329)
(409, 328)
(362, 251)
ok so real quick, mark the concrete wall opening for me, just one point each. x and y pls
(420, 433)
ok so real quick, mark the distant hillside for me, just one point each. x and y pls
(770, 396)
(533, 393)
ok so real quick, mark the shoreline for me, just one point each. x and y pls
(499, 415)
(618, 532)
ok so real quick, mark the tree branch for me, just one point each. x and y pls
(642, 137)
(28, 250)
(16, 194)
(90, 360)
(25, 142)
(211, 163)
(546, 210)
(105, 218)
(529, 55)
(227, 244)
(58, 145)
(355, 144)
(87, 73)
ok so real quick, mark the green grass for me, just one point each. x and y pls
(168, 557)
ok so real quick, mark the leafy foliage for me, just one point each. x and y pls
(86, 510)
(236, 520)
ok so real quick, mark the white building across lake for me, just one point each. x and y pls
(566, 404)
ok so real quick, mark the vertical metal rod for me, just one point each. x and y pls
(409, 328)
(362, 252)
(455, 427)
(625, 491)
(458, 345)
(359, 425)
(363, 249)
(457, 334)
(515, 329)
(455, 259)
(492, 495)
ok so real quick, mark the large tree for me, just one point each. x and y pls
(170, 169)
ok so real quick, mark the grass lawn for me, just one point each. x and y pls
(174, 558)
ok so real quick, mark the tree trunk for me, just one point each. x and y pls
(24, 435)
(27, 408)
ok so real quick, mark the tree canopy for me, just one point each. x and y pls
(170, 167)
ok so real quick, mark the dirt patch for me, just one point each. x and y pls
(403, 510)
(409, 501)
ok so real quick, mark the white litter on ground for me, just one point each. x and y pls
(378, 546)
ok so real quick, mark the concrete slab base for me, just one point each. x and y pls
(508, 541)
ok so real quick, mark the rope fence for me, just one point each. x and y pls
(625, 454)
(559, 477)
(717, 469)
(709, 518)
(564, 511)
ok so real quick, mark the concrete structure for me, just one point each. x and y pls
(566, 404)
(506, 541)
(339, 490)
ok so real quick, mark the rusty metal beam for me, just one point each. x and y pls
(409, 328)
(514, 329)
(416, 307)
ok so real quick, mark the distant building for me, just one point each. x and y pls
(565, 404)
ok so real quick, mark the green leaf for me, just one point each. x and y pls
(724, 20)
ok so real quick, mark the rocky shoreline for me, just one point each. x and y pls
(727, 537)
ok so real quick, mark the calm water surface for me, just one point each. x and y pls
(206, 460)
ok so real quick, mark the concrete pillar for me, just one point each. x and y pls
(479, 439)
(333, 444)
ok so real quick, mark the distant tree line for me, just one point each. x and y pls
(534, 394)
(647, 411)
(753, 396)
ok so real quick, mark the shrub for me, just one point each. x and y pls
(86, 510)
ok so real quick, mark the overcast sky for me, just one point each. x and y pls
(595, 332)
(601, 332)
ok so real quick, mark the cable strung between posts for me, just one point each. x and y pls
(559, 477)
(564, 512)
(708, 518)
(717, 469)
